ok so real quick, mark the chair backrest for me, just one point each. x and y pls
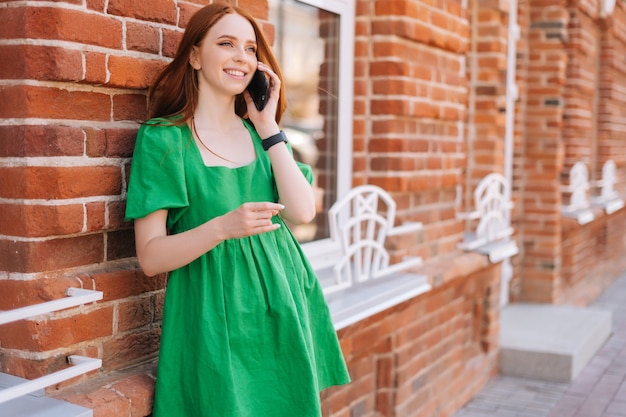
(609, 179)
(493, 207)
(361, 222)
(579, 186)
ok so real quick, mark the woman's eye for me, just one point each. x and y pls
(252, 49)
(225, 43)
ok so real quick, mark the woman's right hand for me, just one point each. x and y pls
(249, 219)
(158, 252)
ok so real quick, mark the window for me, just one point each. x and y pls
(315, 47)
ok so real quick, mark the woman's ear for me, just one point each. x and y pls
(194, 61)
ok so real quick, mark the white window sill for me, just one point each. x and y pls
(364, 299)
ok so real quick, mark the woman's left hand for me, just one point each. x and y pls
(265, 121)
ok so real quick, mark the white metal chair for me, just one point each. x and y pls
(362, 281)
(579, 206)
(608, 199)
(492, 210)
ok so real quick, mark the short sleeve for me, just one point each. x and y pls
(306, 171)
(157, 174)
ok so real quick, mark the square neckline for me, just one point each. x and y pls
(252, 134)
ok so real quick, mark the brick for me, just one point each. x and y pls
(104, 401)
(125, 283)
(385, 372)
(40, 63)
(258, 9)
(52, 254)
(392, 164)
(63, 24)
(54, 103)
(116, 212)
(131, 349)
(132, 107)
(95, 67)
(162, 11)
(96, 216)
(171, 40)
(361, 387)
(22, 293)
(270, 35)
(392, 106)
(139, 390)
(133, 387)
(44, 140)
(334, 400)
(97, 5)
(186, 11)
(30, 368)
(392, 86)
(391, 184)
(133, 73)
(49, 334)
(135, 314)
(120, 244)
(39, 220)
(394, 7)
(35, 365)
(60, 182)
(142, 37)
(389, 145)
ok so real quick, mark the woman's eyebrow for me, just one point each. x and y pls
(234, 38)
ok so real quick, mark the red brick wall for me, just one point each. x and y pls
(74, 89)
(580, 98)
(569, 112)
(543, 150)
(425, 357)
(612, 102)
(593, 255)
(72, 96)
(410, 97)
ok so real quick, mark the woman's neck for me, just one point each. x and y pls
(217, 111)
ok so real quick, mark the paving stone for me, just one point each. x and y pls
(599, 390)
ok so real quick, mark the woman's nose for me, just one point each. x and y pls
(240, 54)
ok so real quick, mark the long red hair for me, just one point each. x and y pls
(175, 90)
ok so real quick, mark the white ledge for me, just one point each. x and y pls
(371, 297)
(75, 297)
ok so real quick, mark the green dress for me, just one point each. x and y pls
(246, 329)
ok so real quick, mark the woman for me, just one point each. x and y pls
(246, 331)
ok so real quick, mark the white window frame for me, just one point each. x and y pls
(355, 301)
(323, 252)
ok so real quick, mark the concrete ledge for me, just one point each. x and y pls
(548, 342)
(36, 404)
(125, 393)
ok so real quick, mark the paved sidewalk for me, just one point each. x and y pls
(598, 391)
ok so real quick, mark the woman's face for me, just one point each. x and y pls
(226, 57)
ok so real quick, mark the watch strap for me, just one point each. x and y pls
(273, 140)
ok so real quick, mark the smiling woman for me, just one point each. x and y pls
(246, 330)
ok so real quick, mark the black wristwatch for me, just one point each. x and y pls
(273, 140)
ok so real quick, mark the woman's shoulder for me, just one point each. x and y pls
(164, 124)
(162, 128)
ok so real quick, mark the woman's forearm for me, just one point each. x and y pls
(158, 252)
(295, 192)
(163, 253)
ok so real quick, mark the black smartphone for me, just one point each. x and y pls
(259, 89)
